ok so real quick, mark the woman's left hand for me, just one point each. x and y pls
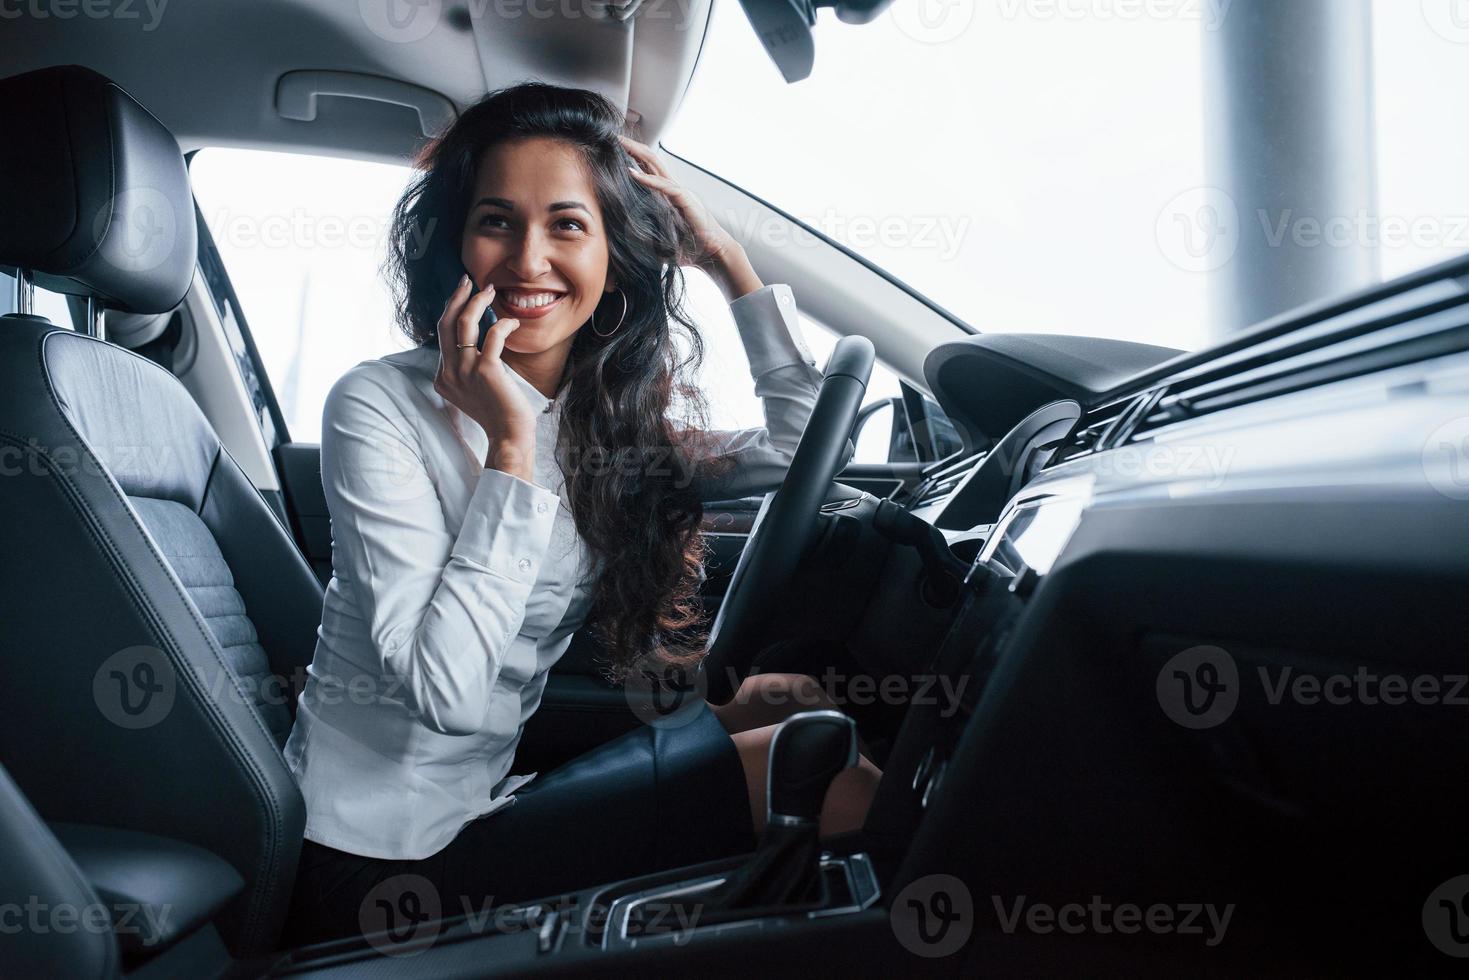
(715, 248)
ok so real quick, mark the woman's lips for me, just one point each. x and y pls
(503, 308)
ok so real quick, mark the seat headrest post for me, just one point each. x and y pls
(96, 324)
(25, 292)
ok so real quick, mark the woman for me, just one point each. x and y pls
(485, 501)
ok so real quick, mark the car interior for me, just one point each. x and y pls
(1160, 651)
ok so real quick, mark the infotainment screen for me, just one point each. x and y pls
(1035, 532)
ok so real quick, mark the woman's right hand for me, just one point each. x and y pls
(478, 383)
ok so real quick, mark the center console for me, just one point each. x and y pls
(792, 888)
(789, 881)
(650, 911)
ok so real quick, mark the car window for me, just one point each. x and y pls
(303, 239)
(725, 376)
(998, 170)
(1044, 166)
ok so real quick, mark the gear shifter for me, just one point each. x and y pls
(806, 753)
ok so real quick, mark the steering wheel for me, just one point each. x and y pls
(786, 525)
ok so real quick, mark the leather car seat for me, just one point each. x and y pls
(158, 616)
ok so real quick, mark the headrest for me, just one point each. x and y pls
(94, 194)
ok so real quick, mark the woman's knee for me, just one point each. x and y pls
(774, 697)
(847, 800)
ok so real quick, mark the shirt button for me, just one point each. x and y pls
(541, 507)
(523, 564)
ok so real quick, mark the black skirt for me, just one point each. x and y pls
(658, 797)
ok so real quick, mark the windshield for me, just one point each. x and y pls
(1042, 165)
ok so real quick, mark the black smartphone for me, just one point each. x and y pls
(450, 277)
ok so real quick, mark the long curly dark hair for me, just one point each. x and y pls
(632, 473)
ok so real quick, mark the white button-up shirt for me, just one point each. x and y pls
(455, 588)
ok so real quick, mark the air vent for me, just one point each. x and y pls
(941, 488)
(1105, 426)
(1362, 341)
(941, 482)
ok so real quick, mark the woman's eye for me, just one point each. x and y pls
(490, 221)
(575, 224)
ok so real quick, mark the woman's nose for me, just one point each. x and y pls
(531, 259)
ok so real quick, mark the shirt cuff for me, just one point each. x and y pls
(507, 526)
(770, 329)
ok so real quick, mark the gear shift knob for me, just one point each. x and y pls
(806, 753)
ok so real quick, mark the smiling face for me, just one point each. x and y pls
(534, 231)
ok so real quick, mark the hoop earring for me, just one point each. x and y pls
(619, 319)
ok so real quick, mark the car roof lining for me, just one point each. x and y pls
(210, 71)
